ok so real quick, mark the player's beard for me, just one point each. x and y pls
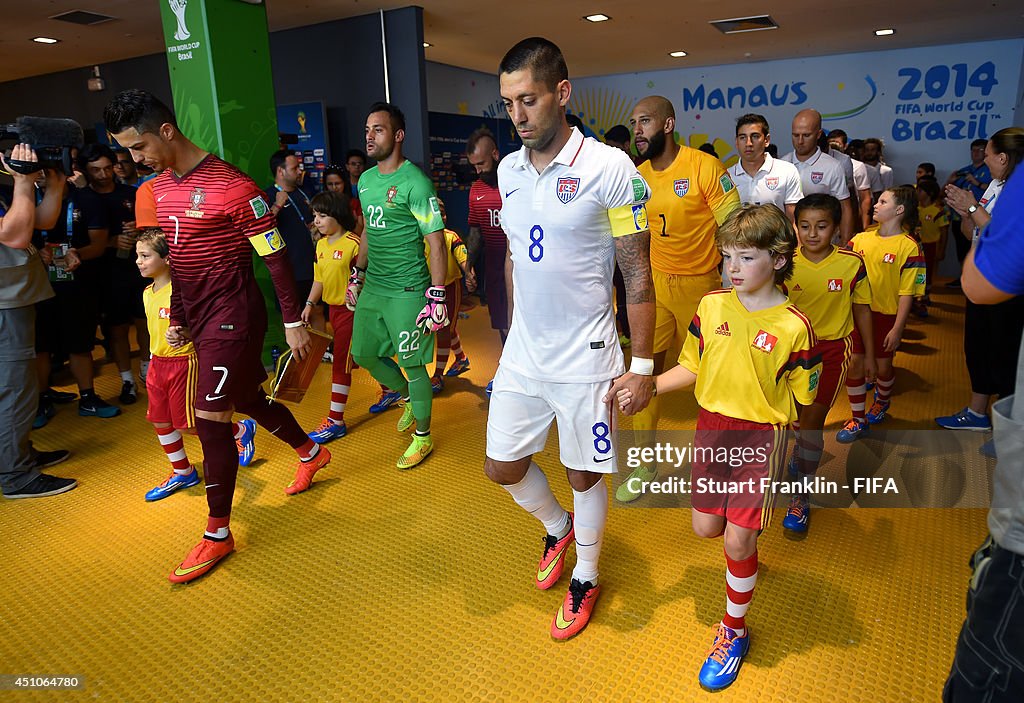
(490, 178)
(655, 146)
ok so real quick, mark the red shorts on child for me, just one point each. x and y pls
(881, 325)
(835, 359)
(171, 387)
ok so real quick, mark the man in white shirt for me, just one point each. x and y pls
(819, 173)
(856, 177)
(873, 148)
(759, 178)
(571, 208)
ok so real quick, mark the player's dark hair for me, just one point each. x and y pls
(575, 121)
(95, 152)
(978, 142)
(334, 205)
(820, 201)
(618, 134)
(397, 116)
(478, 134)
(752, 118)
(839, 133)
(278, 159)
(708, 148)
(928, 167)
(155, 240)
(1009, 141)
(930, 187)
(877, 142)
(763, 227)
(139, 109)
(355, 152)
(856, 144)
(906, 195)
(773, 149)
(541, 56)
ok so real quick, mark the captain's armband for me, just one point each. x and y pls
(628, 219)
(268, 242)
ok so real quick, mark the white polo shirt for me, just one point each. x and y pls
(776, 182)
(860, 175)
(560, 236)
(846, 162)
(885, 173)
(820, 173)
(874, 178)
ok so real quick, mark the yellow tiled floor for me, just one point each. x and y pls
(379, 584)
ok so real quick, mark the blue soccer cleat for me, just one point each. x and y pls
(877, 412)
(328, 431)
(460, 367)
(247, 443)
(797, 515)
(175, 482)
(794, 466)
(386, 400)
(436, 384)
(725, 657)
(489, 389)
(965, 420)
(851, 431)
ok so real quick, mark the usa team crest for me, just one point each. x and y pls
(772, 182)
(681, 186)
(567, 188)
(816, 177)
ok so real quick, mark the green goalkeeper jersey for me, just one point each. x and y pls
(400, 209)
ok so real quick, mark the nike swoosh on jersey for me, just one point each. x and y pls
(600, 461)
(481, 197)
(161, 197)
(178, 571)
(407, 356)
(216, 397)
(511, 192)
(543, 574)
(362, 190)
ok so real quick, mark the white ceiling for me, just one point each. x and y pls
(476, 33)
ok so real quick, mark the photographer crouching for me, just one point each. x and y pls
(23, 283)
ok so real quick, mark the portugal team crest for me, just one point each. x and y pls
(567, 188)
(195, 203)
(681, 186)
(392, 192)
(772, 182)
(816, 177)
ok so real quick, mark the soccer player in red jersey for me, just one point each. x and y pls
(213, 215)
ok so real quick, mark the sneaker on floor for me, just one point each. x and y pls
(385, 401)
(175, 482)
(489, 389)
(203, 557)
(877, 412)
(43, 485)
(460, 367)
(408, 419)
(328, 431)
(128, 393)
(574, 612)
(246, 445)
(629, 490)
(794, 466)
(624, 341)
(43, 414)
(797, 515)
(436, 384)
(328, 357)
(722, 665)
(97, 407)
(418, 450)
(851, 431)
(60, 397)
(552, 561)
(45, 460)
(305, 470)
(965, 420)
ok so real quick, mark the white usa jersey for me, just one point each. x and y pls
(560, 225)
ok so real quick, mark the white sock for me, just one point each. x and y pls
(534, 495)
(127, 376)
(220, 534)
(591, 514)
(975, 414)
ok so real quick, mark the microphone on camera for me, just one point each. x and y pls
(52, 138)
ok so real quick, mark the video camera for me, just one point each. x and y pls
(51, 138)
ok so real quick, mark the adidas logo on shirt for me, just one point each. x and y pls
(797, 288)
(723, 329)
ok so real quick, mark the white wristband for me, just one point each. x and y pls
(292, 325)
(641, 366)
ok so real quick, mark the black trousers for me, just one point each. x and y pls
(991, 340)
(988, 666)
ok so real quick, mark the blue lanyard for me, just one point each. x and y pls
(296, 207)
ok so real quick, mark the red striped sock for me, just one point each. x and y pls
(858, 392)
(884, 387)
(174, 446)
(740, 577)
(456, 347)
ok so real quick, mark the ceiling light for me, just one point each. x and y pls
(597, 18)
(677, 54)
(427, 45)
(884, 32)
(45, 40)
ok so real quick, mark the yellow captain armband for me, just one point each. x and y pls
(268, 242)
(628, 219)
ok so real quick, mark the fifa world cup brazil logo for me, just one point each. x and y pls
(178, 8)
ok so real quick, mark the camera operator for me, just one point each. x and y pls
(73, 250)
(23, 283)
(122, 284)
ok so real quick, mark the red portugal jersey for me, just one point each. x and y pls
(213, 217)
(485, 213)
